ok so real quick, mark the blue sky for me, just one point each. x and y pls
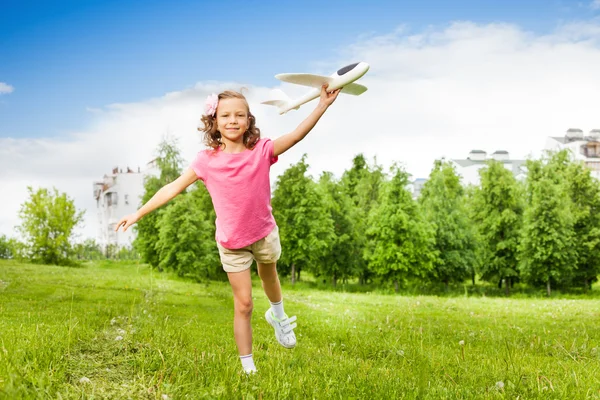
(62, 58)
(86, 86)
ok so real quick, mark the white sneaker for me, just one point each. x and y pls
(284, 329)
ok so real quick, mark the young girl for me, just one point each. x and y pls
(235, 172)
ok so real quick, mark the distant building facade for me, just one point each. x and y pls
(468, 168)
(416, 186)
(584, 147)
(117, 195)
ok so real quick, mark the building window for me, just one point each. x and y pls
(594, 165)
(111, 199)
(590, 150)
(126, 199)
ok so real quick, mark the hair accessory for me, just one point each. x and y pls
(210, 106)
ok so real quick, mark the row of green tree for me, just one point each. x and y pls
(49, 242)
(543, 231)
(366, 225)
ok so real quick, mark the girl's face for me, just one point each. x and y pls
(232, 119)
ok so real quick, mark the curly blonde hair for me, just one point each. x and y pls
(212, 137)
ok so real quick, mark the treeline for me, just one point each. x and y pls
(88, 250)
(46, 234)
(366, 226)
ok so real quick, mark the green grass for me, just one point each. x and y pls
(59, 325)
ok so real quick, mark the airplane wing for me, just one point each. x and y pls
(354, 89)
(316, 81)
(311, 80)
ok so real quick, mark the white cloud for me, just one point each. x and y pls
(5, 88)
(595, 5)
(441, 92)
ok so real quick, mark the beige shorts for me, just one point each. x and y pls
(265, 251)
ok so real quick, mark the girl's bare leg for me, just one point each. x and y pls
(241, 285)
(270, 281)
(284, 326)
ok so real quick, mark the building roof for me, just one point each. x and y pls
(559, 139)
(516, 164)
(564, 140)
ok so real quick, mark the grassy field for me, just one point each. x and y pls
(123, 331)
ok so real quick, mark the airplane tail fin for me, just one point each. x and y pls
(279, 100)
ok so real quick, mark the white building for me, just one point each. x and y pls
(416, 186)
(583, 148)
(117, 195)
(469, 168)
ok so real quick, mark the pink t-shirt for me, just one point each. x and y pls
(240, 189)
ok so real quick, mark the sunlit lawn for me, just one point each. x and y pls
(122, 331)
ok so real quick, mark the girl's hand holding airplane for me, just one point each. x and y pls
(327, 98)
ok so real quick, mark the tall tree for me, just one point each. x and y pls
(344, 250)
(497, 210)
(443, 203)
(186, 242)
(401, 243)
(547, 251)
(362, 184)
(48, 220)
(585, 196)
(169, 162)
(305, 227)
(352, 177)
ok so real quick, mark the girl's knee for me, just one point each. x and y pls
(244, 306)
(268, 272)
(270, 280)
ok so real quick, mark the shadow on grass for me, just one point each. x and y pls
(467, 289)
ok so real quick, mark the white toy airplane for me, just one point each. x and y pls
(342, 78)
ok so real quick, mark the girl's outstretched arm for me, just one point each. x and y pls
(284, 143)
(163, 196)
